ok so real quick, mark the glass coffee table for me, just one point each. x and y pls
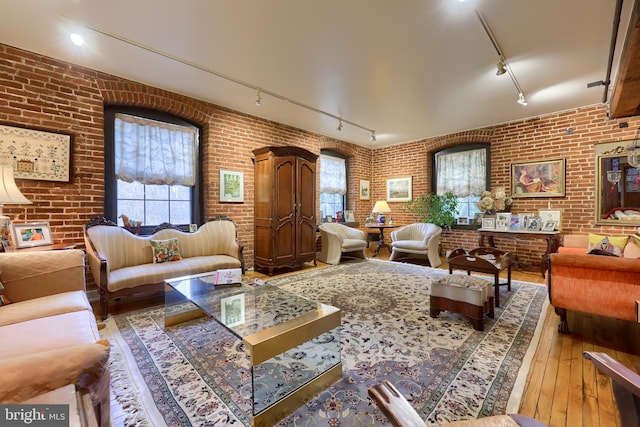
(277, 327)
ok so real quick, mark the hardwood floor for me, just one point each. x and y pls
(562, 388)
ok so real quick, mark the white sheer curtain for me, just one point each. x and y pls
(153, 152)
(333, 175)
(462, 173)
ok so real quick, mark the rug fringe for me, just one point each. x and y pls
(128, 397)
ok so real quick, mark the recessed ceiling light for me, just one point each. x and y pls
(77, 39)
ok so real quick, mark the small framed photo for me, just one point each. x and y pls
(364, 189)
(515, 223)
(6, 246)
(231, 186)
(549, 226)
(477, 219)
(502, 221)
(488, 223)
(349, 216)
(462, 220)
(31, 234)
(534, 223)
(551, 215)
(328, 218)
(232, 310)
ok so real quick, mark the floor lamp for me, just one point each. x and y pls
(9, 195)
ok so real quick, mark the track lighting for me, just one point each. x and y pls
(77, 39)
(258, 99)
(503, 65)
(521, 99)
(373, 136)
(340, 125)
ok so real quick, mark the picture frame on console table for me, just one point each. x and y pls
(30, 234)
(503, 221)
(488, 223)
(548, 215)
(542, 178)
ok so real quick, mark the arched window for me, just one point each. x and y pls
(152, 170)
(333, 183)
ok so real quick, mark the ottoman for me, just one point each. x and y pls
(463, 294)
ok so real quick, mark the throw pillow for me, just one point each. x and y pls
(3, 299)
(601, 252)
(611, 244)
(165, 250)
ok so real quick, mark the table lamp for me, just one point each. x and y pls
(9, 194)
(381, 207)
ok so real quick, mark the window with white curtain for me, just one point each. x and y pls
(464, 171)
(153, 164)
(333, 184)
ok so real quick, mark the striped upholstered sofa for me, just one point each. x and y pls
(124, 264)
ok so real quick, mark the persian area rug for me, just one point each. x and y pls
(197, 373)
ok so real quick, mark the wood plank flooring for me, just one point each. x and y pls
(562, 388)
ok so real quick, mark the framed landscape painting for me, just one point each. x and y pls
(399, 189)
(542, 178)
(231, 186)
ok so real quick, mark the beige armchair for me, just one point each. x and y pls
(338, 240)
(417, 240)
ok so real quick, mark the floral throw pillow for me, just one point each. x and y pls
(612, 244)
(3, 299)
(165, 250)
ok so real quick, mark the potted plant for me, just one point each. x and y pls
(436, 209)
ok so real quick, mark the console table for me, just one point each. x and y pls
(551, 237)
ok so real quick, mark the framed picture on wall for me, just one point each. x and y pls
(543, 178)
(231, 186)
(399, 189)
(364, 190)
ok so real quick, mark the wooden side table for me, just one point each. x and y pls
(381, 243)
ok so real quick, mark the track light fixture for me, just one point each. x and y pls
(503, 65)
(521, 99)
(260, 91)
(340, 125)
(373, 136)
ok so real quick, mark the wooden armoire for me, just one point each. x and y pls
(285, 207)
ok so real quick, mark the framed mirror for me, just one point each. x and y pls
(617, 186)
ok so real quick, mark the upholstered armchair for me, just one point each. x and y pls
(338, 240)
(416, 241)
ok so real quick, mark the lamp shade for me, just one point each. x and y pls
(9, 192)
(381, 206)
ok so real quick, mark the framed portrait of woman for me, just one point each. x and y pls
(542, 178)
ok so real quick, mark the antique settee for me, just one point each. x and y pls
(48, 330)
(602, 285)
(338, 240)
(123, 263)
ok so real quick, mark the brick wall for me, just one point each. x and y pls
(50, 95)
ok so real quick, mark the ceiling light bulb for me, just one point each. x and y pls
(77, 39)
(521, 100)
(501, 68)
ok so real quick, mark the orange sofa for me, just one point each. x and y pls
(603, 285)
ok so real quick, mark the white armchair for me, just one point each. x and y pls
(417, 239)
(338, 239)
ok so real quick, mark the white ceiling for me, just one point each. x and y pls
(407, 69)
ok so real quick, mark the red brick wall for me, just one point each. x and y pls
(46, 94)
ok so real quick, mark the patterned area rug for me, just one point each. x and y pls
(198, 374)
